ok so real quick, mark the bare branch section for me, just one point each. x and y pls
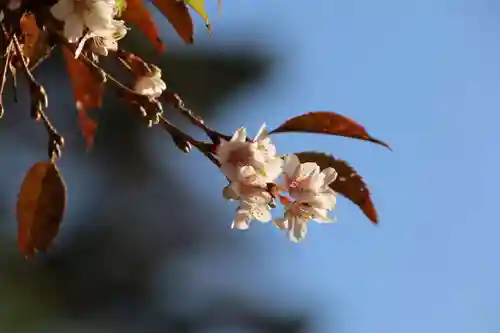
(30, 29)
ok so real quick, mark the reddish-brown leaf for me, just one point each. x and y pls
(323, 122)
(40, 208)
(88, 94)
(348, 183)
(178, 15)
(136, 13)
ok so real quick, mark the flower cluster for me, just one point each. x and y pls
(253, 167)
(89, 32)
(92, 24)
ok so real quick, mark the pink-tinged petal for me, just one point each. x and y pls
(324, 200)
(308, 169)
(330, 175)
(291, 164)
(273, 169)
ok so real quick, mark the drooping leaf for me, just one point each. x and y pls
(40, 208)
(348, 183)
(178, 15)
(88, 94)
(35, 41)
(136, 13)
(323, 122)
(199, 7)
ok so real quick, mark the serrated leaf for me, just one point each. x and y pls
(348, 183)
(324, 122)
(178, 15)
(199, 7)
(40, 208)
(136, 13)
(88, 94)
(34, 41)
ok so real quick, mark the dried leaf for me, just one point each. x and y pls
(199, 7)
(178, 15)
(40, 208)
(88, 94)
(348, 183)
(35, 41)
(323, 122)
(135, 12)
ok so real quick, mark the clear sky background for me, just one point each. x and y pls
(423, 75)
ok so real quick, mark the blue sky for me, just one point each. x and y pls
(425, 76)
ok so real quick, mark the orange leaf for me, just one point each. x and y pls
(178, 15)
(88, 94)
(136, 13)
(323, 122)
(40, 208)
(348, 182)
(35, 41)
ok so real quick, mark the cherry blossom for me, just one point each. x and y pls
(96, 16)
(151, 84)
(313, 198)
(251, 162)
(102, 44)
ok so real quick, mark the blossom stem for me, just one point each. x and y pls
(201, 146)
(7, 56)
(39, 102)
(174, 100)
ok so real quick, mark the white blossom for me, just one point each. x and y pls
(150, 85)
(251, 162)
(94, 16)
(311, 194)
(254, 205)
(102, 44)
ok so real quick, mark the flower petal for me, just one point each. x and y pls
(298, 231)
(330, 175)
(241, 220)
(281, 223)
(240, 135)
(291, 163)
(73, 28)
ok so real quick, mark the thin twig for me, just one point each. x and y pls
(201, 146)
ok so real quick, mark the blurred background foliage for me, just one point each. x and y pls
(134, 229)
